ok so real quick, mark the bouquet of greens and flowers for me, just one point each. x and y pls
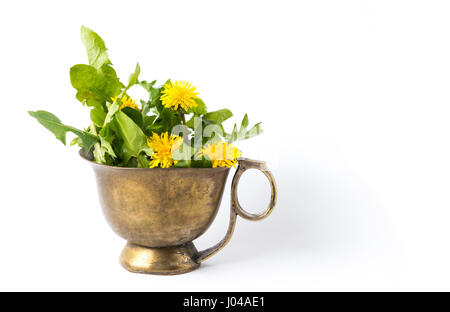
(172, 128)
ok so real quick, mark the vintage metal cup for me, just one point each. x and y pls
(161, 211)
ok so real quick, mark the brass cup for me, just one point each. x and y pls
(161, 211)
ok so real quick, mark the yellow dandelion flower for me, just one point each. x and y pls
(221, 154)
(163, 146)
(126, 102)
(179, 93)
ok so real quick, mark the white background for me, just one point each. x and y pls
(354, 96)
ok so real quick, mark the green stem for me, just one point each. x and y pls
(142, 160)
(97, 147)
(183, 118)
(93, 129)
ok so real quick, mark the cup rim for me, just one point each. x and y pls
(93, 163)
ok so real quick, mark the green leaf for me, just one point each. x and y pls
(130, 162)
(142, 161)
(112, 110)
(95, 48)
(167, 119)
(200, 109)
(125, 155)
(135, 115)
(107, 136)
(99, 156)
(183, 164)
(234, 134)
(94, 86)
(244, 134)
(97, 82)
(203, 163)
(155, 95)
(53, 124)
(98, 116)
(254, 131)
(219, 116)
(75, 141)
(133, 79)
(244, 123)
(110, 72)
(134, 139)
(146, 106)
(148, 86)
(148, 124)
(190, 122)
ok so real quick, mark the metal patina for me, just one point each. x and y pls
(161, 211)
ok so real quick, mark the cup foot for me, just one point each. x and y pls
(161, 261)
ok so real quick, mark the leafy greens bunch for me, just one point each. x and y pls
(125, 134)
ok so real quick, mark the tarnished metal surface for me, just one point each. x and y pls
(160, 207)
(161, 261)
(161, 211)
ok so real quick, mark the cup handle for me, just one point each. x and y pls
(235, 207)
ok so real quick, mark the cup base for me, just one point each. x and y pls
(160, 261)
